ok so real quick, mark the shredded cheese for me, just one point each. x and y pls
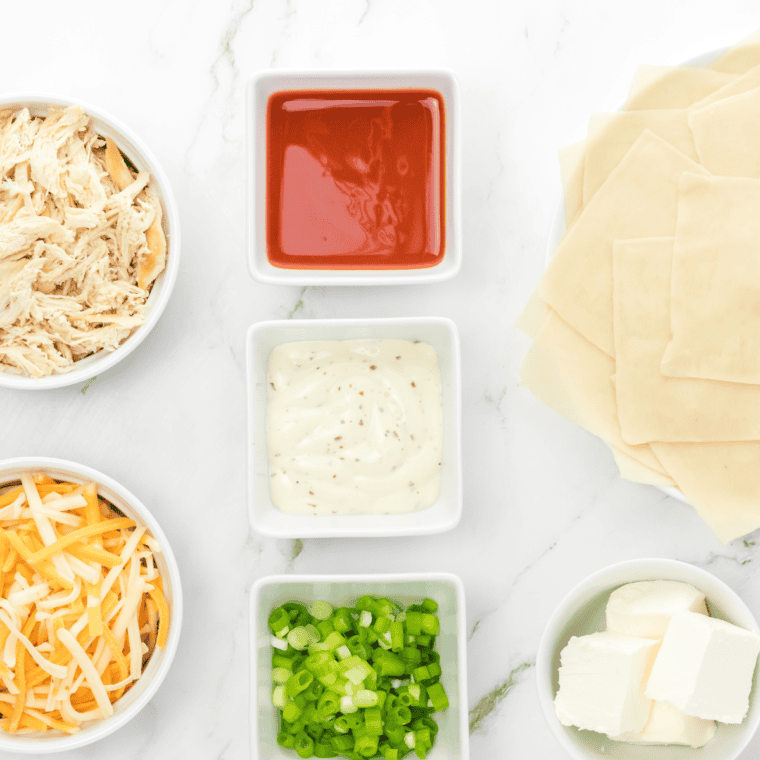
(81, 606)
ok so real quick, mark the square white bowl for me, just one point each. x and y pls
(265, 518)
(582, 612)
(262, 84)
(452, 741)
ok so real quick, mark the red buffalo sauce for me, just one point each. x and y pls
(355, 179)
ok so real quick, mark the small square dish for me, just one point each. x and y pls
(445, 512)
(353, 177)
(452, 739)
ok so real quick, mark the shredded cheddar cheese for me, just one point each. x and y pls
(81, 605)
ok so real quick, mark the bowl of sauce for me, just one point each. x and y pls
(353, 178)
(354, 427)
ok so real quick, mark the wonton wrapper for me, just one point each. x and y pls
(727, 135)
(574, 378)
(720, 480)
(750, 80)
(715, 285)
(655, 87)
(532, 317)
(611, 135)
(571, 171)
(639, 199)
(635, 471)
(741, 57)
(652, 407)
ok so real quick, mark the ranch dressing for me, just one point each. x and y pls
(354, 427)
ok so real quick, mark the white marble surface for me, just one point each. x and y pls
(544, 505)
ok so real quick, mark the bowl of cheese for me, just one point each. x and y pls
(650, 658)
(90, 241)
(91, 605)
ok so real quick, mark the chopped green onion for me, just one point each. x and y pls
(298, 638)
(322, 610)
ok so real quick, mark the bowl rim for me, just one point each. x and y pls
(171, 212)
(298, 528)
(105, 727)
(259, 267)
(568, 607)
(349, 578)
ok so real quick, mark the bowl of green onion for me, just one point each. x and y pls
(358, 666)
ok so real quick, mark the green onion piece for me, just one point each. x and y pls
(312, 634)
(287, 740)
(341, 725)
(397, 636)
(298, 638)
(278, 696)
(324, 750)
(402, 714)
(329, 703)
(314, 691)
(322, 610)
(434, 669)
(384, 607)
(366, 746)
(365, 618)
(347, 705)
(298, 682)
(279, 620)
(421, 673)
(342, 743)
(280, 675)
(280, 661)
(304, 745)
(430, 624)
(423, 640)
(381, 625)
(334, 640)
(430, 605)
(413, 624)
(365, 603)
(437, 696)
(390, 753)
(343, 652)
(291, 712)
(373, 720)
(342, 621)
(365, 698)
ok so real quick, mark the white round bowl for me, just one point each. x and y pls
(141, 157)
(582, 612)
(155, 671)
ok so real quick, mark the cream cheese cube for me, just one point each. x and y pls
(704, 668)
(601, 682)
(644, 608)
(666, 725)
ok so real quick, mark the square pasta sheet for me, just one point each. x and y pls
(715, 285)
(653, 407)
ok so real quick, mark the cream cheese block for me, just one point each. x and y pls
(704, 668)
(601, 683)
(667, 725)
(644, 608)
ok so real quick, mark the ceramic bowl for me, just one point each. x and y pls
(160, 661)
(142, 158)
(582, 612)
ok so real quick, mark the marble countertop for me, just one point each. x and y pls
(543, 503)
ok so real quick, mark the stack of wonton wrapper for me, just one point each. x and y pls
(646, 323)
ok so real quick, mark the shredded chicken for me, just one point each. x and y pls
(81, 242)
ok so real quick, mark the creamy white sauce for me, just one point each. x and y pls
(354, 427)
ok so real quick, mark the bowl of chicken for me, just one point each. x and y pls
(89, 241)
